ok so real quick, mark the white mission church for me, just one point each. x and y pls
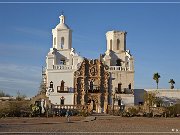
(74, 80)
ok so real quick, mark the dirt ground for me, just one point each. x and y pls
(101, 125)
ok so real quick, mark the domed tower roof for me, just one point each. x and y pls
(62, 24)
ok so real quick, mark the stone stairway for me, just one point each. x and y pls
(100, 114)
(89, 118)
(95, 116)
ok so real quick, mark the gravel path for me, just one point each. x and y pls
(81, 125)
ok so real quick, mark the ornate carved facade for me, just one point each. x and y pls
(91, 85)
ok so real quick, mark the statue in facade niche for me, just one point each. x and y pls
(62, 85)
(73, 53)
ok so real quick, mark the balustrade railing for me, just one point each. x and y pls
(75, 107)
(63, 67)
(118, 68)
(63, 90)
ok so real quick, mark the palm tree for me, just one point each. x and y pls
(172, 82)
(156, 77)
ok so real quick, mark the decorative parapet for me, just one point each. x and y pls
(78, 107)
(124, 91)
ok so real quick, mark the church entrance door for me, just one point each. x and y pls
(93, 105)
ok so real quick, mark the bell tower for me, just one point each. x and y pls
(62, 35)
(116, 41)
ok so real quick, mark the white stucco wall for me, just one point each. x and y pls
(57, 76)
(126, 99)
(56, 97)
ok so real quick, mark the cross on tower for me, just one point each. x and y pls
(62, 12)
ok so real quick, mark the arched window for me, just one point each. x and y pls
(55, 41)
(62, 86)
(62, 62)
(62, 100)
(51, 84)
(129, 86)
(127, 61)
(119, 87)
(118, 44)
(111, 44)
(62, 42)
(118, 62)
(119, 102)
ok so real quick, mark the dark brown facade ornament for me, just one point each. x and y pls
(91, 85)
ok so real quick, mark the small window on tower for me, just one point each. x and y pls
(55, 41)
(111, 44)
(118, 44)
(62, 42)
(51, 84)
(127, 61)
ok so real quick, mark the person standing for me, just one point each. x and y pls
(67, 115)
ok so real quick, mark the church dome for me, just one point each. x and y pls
(62, 24)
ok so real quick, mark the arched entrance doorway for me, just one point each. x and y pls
(93, 105)
(93, 101)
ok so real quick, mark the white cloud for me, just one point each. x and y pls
(33, 31)
(20, 48)
(21, 78)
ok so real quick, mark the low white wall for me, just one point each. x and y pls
(126, 99)
(168, 95)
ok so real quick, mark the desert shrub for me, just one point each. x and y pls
(83, 113)
(173, 110)
(2, 94)
(20, 97)
(177, 108)
(132, 111)
(15, 109)
(117, 112)
(4, 111)
(35, 110)
(125, 114)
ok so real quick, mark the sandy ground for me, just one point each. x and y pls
(78, 125)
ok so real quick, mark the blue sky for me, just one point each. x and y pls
(25, 38)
